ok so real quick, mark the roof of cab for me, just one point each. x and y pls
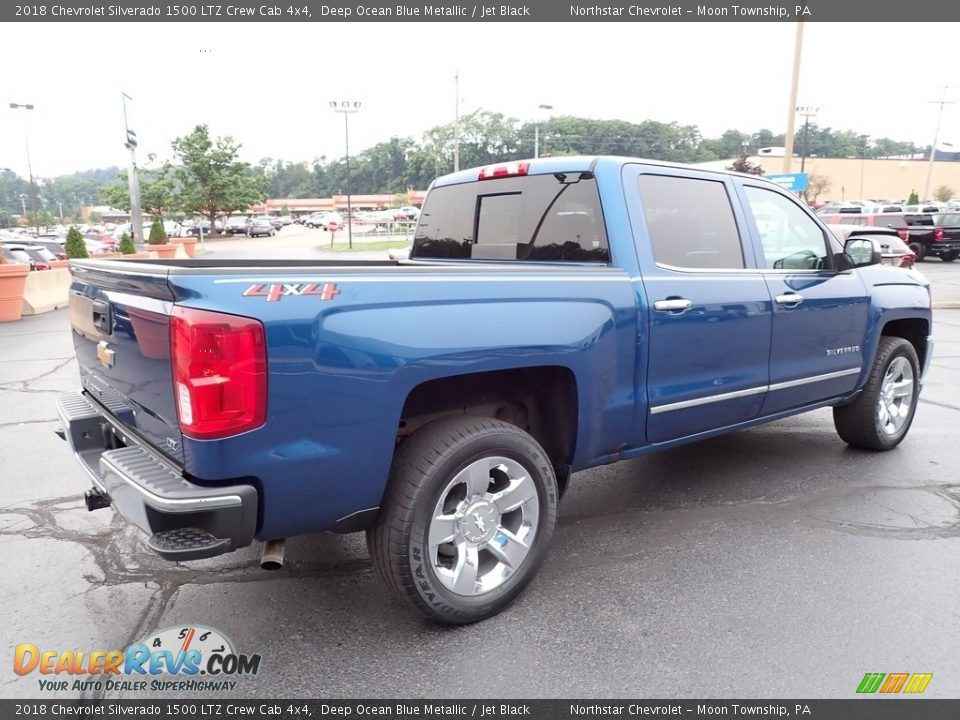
(581, 163)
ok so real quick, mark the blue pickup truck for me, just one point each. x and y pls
(554, 315)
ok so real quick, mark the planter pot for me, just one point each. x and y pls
(60, 263)
(189, 244)
(164, 252)
(13, 279)
(135, 256)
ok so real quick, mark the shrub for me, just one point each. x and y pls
(158, 236)
(126, 245)
(913, 199)
(74, 246)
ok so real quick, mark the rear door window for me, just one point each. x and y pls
(533, 217)
(691, 223)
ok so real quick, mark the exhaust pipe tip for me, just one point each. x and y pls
(272, 556)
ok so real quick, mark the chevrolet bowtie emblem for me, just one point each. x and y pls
(105, 354)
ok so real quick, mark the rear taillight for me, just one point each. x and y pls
(513, 169)
(903, 233)
(938, 235)
(908, 260)
(219, 372)
(42, 266)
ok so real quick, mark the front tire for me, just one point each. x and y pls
(948, 257)
(467, 518)
(881, 415)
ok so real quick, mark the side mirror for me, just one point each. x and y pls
(861, 252)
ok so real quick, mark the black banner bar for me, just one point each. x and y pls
(873, 708)
(857, 11)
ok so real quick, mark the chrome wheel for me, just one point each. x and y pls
(483, 525)
(896, 396)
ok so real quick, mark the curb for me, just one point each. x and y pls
(946, 305)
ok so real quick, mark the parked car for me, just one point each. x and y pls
(832, 208)
(886, 241)
(236, 225)
(54, 247)
(316, 220)
(567, 313)
(935, 234)
(261, 226)
(107, 241)
(96, 245)
(407, 212)
(41, 257)
(276, 222)
(17, 253)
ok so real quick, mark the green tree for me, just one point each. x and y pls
(40, 218)
(96, 217)
(158, 195)
(158, 236)
(816, 186)
(913, 199)
(74, 246)
(6, 219)
(126, 244)
(742, 165)
(943, 193)
(211, 180)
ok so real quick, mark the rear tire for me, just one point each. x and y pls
(880, 417)
(918, 250)
(467, 518)
(948, 257)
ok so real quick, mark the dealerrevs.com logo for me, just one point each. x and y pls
(185, 658)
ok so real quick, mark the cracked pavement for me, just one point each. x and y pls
(770, 562)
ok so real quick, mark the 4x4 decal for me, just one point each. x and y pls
(273, 292)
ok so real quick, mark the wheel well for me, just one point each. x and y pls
(540, 400)
(914, 330)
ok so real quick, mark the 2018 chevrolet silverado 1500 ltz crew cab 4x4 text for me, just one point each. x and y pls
(554, 315)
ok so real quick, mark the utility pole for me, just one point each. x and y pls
(791, 113)
(806, 112)
(133, 180)
(456, 123)
(936, 136)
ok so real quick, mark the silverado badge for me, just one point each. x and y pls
(105, 354)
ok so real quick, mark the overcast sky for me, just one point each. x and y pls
(269, 85)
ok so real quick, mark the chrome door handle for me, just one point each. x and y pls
(673, 305)
(790, 299)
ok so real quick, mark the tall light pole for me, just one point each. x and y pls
(346, 107)
(133, 180)
(536, 131)
(456, 124)
(33, 190)
(806, 112)
(933, 148)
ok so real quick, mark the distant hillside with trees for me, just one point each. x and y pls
(397, 164)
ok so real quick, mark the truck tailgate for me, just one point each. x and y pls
(121, 333)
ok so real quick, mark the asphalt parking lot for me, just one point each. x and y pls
(772, 562)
